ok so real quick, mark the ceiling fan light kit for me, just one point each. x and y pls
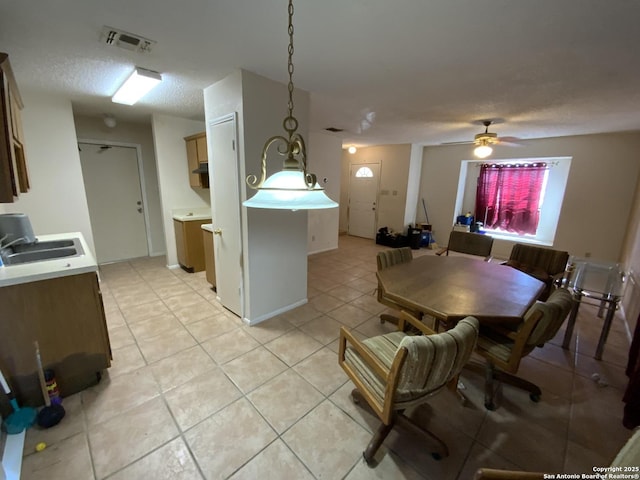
(484, 140)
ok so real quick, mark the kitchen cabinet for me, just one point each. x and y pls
(196, 155)
(14, 178)
(190, 244)
(209, 259)
(66, 316)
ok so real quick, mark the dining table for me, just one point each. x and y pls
(451, 288)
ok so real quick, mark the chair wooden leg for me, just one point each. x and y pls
(376, 441)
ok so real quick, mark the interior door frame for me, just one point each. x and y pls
(143, 190)
(375, 218)
(233, 118)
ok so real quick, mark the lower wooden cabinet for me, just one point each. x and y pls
(66, 316)
(189, 244)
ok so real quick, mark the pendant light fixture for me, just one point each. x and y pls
(293, 188)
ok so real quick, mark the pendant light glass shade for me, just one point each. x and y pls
(287, 190)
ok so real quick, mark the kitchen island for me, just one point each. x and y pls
(58, 303)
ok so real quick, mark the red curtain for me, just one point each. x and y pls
(508, 196)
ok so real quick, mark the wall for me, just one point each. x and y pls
(631, 261)
(324, 159)
(394, 163)
(91, 128)
(173, 173)
(274, 242)
(602, 180)
(56, 202)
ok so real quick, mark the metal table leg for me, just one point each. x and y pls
(571, 322)
(611, 310)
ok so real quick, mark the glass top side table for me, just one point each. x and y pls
(601, 281)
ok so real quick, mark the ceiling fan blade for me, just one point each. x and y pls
(457, 143)
(512, 141)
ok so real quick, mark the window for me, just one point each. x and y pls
(364, 172)
(549, 202)
(509, 196)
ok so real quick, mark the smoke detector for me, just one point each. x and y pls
(125, 40)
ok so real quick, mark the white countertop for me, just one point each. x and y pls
(188, 214)
(207, 226)
(46, 269)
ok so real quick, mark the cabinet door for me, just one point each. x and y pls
(181, 244)
(192, 161)
(201, 142)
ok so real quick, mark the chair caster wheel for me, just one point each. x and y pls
(490, 406)
(534, 397)
(436, 456)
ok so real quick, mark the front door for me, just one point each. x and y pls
(363, 193)
(114, 196)
(225, 209)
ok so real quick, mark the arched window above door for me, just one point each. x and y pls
(364, 172)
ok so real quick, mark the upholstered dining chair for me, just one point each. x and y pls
(504, 348)
(395, 371)
(386, 259)
(628, 456)
(545, 264)
(469, 243)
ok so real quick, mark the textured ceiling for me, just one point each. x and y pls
(407, 71)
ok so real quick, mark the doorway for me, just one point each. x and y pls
(112, 181)
(225, 203)
(364, 180)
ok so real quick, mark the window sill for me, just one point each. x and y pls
(497, 235)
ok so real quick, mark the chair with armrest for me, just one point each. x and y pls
(628, 456)
(545, 264)
(395, 371)
(503, 348)
(469, 243)
(386, 259)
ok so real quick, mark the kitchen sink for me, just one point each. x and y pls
(42, 251)
(37, 246)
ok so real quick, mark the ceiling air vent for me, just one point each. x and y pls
(126, 40)
(334, 129)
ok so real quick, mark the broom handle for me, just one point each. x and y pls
(43, 382)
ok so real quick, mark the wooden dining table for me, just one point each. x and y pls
(454, 287)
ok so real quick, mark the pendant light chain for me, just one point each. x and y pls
(290, 123)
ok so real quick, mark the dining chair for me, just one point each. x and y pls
(628, 456)
(470, 243)
(503, 348)
(386, 259)
(545, 264)
(395, 371)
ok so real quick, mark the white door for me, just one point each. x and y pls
(112, 185)
(225, 209)
(363, 194)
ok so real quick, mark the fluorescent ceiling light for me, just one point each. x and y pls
(136, 86)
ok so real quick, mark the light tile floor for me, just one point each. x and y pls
(194, 393)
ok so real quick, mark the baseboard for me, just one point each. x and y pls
(269, 315)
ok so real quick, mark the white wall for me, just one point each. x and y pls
(173, 173)
(91, 128)
(324, 159)
(394, 163)
(56, 202)
(597, 203)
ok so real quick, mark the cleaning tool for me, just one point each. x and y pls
(21, 418)
(50, 415)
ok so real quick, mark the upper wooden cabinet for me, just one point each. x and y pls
(196, 155)
(14, 178)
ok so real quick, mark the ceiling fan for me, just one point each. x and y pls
(483, 141)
